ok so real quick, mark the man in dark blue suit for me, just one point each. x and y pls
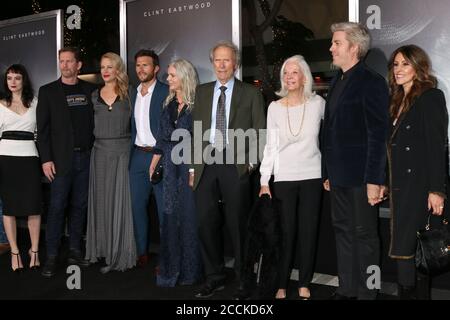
(354, 158)
(147, 104)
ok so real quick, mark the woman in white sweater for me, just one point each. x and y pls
(292, 155)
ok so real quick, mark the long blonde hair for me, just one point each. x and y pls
(121, 88)
(188, 76)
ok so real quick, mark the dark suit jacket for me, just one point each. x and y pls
(417, 152)
(160, 93)
(54, 126)
(355, 131)
(247, 111)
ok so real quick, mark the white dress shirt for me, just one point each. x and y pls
(144, 135)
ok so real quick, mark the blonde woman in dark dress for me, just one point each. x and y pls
(180, 261)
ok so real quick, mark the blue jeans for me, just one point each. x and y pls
(3, 238)
(141, 189)
(75, 184)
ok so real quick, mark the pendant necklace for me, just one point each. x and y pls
(289, 120)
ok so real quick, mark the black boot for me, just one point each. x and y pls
(406, 293)
(423, 287)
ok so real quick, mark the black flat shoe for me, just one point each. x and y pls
(76, 258)
(209, 290)
(337, 296)
(241, 294)
(49, 269)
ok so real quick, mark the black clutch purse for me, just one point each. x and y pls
(158, 173)
(433, 249)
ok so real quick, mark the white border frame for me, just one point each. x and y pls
(123, 29)
(236, 31)
(353, 10)
(58, 14)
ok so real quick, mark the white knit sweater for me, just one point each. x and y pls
(292, 157)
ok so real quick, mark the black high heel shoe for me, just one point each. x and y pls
(19, 268)
(33, 257)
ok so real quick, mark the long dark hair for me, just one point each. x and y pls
(27, 88)
(423, 81)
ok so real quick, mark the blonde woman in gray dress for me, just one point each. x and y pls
(110, 221)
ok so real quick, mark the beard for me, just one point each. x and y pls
(68, 73)
(146, 77)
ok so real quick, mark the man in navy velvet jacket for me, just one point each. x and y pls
(354, 158)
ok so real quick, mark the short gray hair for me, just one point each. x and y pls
(356, 34)
(307, 88)
(229, 45)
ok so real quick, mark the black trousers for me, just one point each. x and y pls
(300, 209)
(408, 276)
(355, 223)
(406, 270)
(221, 182)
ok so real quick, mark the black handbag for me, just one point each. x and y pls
(433, 249)
(158, 173)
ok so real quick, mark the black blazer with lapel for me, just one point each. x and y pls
(355, 131)
(54, 126)
(247, 111)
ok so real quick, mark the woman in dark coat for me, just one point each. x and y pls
(180, 260)
(417, 156)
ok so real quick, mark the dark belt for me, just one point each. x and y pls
(145, 149)
(80, 149)
(17, 135)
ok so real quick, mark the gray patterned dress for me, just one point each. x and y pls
(110, 222)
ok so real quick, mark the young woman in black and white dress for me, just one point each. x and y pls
(20, 169)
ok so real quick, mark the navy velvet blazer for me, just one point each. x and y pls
(160, 93)
(355, 131)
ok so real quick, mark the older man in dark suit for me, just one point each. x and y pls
(354, 158)
(65, 124)
(222, 106)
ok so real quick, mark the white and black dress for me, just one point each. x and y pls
(20, 169)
